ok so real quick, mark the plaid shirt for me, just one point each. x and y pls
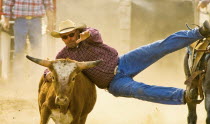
(93, 49)
(22, 8)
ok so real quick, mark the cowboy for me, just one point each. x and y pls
(116, 73)
(27, 15)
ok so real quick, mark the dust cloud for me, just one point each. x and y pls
(18, 101)
(18, 94)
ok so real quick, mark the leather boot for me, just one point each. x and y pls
(205, 29)
(190, 95)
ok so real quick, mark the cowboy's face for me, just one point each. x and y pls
(70, 38)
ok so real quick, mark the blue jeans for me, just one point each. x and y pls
(27, 27)
(134, 62)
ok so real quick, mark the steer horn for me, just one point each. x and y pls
(88, 64)
(39, 61)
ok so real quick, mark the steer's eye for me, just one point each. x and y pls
(73, 78)
(53, 78)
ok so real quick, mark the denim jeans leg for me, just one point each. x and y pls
(142, 57)
(137, 60)
(35, 35)
(127, 87)
(20, 33)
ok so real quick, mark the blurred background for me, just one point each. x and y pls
(124, 25)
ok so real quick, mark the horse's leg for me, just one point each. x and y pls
(192, 116)
(206, 87)
(207, 107)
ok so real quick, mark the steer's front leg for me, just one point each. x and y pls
(192, 115)
(44, 114)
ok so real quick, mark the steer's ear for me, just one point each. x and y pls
(41, 62)
(88, 64)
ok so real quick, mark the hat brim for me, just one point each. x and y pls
(56, 34)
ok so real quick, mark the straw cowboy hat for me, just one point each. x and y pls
(67, 26)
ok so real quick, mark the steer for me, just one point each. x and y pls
(70, 96)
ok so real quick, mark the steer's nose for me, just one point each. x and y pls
(61, 100)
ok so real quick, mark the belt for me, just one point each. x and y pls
(115, 70)
(30, 17)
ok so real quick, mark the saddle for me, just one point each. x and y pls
(197, 74)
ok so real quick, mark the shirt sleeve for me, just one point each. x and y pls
(7, 8)
(49, 5)
(95, 36)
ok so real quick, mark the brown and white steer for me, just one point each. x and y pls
(71, 96)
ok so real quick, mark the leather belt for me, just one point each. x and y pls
(30, 17)
(115, 70)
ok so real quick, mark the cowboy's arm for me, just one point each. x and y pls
(47, 75)
(90, 35)
(203, 4)
(50, 15)
(5, 22)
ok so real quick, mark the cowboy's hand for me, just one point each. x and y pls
(48, 77)
(50, 27)
(203, 4)
(5, 23)
(84, 35)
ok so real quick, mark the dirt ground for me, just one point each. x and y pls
(18, 100)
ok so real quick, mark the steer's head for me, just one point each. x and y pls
(64, 72)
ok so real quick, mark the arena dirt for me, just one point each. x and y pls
(18, 100)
